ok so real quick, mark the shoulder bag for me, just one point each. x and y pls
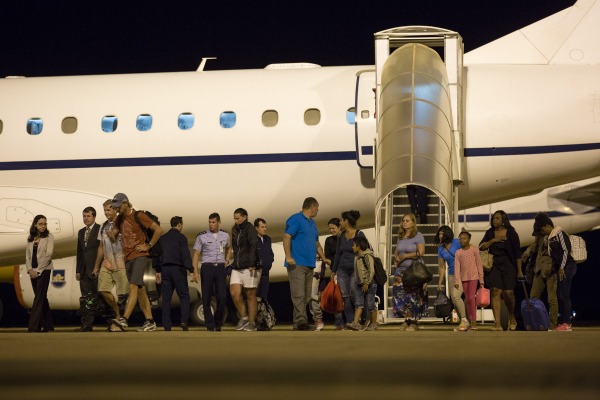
(487, 259)
(417, 273)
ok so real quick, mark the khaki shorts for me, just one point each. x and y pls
(108, 278)
(245, 277)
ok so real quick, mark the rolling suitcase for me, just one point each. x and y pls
(534, 313)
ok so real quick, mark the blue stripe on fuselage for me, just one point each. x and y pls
(528, 150)
(267, 158)
(517, 216)
(185, 160)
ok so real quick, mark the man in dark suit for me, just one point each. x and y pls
(87, 250)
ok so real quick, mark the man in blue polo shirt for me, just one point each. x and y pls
(301, 245)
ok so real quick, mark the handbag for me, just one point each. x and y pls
(487, 260)
(331, 298)
(417, 273)
(482, 297)
(442, 306)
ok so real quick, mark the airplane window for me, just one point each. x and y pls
(312, 116)
(69, 125)
(143, 122)
(351, 115)
(35, 126)
(185, 121)
(364, 114)
(270, 118)
(227, 119)
(109, 123)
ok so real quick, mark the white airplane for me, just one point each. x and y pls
(192, 143)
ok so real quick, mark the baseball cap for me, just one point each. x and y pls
(118, 199)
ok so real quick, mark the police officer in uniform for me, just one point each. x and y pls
(212, 250)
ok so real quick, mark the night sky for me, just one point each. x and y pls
(92, 37)
(106, 37)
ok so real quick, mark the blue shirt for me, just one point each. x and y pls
(304, 235)
(448, 255)
(212, 246)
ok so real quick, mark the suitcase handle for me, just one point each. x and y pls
(522, 280)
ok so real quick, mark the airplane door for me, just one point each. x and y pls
(364, 121)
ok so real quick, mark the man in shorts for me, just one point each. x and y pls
(135, 253)
(110, 265)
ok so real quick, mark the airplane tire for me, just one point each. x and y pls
(197, 312)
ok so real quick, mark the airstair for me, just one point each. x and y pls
(418, 143)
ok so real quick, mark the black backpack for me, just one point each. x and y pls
(380, 276)
(156, 249)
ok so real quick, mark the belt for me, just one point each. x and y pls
(213, 264)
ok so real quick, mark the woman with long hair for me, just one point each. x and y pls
(447, 246)
(502, 241)
(38, 260)
(343, 264)
(410, 302)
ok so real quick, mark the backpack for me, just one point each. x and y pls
(265, 316)
(578, 250)
(381, 276)
(156, 249)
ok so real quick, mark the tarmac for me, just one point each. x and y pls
(433, 363)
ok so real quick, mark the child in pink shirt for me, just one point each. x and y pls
(468, 268)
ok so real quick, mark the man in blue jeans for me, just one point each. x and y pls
(301, 246)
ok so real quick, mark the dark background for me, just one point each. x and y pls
(42, 38)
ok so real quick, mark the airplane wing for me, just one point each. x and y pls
(587, 195)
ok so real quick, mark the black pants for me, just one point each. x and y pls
(174, 278)
(263, 286)
(40, 317)
(211, 274)
(88, 286)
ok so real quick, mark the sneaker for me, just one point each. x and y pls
(303, 326)
(366, 325)
(353, 326)
(372, 327)
(120, 322)
(463, 327)
(250, 327)
(148, 327)
(241, 324)
(319, 325)
(339, 328)
(563, 328)
(185, 327)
